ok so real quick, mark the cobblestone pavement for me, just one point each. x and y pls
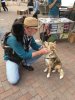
(34, 85)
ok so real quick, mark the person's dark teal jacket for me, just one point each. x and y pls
(18, 48)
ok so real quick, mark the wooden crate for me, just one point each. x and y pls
(71, 38)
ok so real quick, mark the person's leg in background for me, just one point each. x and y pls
(6, 8)
(30, 10)
(12, 72)
(35, 15)
(3, 6)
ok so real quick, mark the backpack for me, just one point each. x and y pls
(9, 51)
(4, 40)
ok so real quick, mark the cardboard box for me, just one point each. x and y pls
(71, 38)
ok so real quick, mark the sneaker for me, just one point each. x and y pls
(29, 68)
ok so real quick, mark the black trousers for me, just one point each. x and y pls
(36, 14)
(4, 6)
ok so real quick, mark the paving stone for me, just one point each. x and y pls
(1, 89)
(42, 93)
(6, 94)
(37, 97)
(26, 96)
(6, 85)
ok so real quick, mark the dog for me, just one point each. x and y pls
(52, 61)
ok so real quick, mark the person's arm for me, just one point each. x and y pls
(34, 44)
(40, 52)
(52, 4)
(18, 48)
(59, 3)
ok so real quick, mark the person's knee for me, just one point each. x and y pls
(12, 72)
(13, 81)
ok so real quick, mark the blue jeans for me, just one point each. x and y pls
(32, 60)
(12, 69)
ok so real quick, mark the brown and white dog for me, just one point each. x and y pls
(52, 61)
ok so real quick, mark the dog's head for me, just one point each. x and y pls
(51, 46)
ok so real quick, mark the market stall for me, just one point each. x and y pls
(61, 26)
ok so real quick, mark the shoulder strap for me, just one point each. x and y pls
(4, 39)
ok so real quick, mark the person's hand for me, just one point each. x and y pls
(52, 4)
(40, 52)
(44, 51)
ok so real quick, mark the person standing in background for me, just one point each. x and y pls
(36, 9)
(54, 8)
(4, 5)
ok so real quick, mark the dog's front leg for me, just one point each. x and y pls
(61, 72)
(47, 63)
(49, 71)
(46, 69)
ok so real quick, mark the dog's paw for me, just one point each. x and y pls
(45, 70)
(53, 71)
(61, 77)
(61, 74)
(48, 75)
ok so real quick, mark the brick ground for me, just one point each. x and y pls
(34, 85)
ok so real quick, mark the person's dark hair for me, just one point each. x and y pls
(20, 20)
(18, 29)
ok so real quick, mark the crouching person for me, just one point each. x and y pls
(17, 50)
